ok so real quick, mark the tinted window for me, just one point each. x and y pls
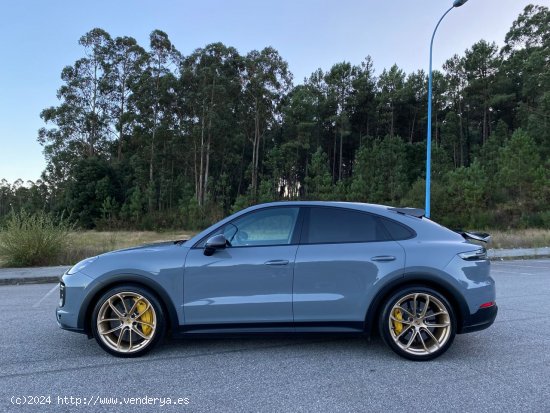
(273, 226)
(336, 225)
(398, 231)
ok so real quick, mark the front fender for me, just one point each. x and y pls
(168, 293)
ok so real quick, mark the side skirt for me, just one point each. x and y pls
(353, 327)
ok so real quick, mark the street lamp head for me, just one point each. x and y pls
(458, 3)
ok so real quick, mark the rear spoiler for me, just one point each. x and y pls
(476, 236)
(414, 212)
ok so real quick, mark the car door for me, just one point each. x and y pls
(342, 255)
(250, 281)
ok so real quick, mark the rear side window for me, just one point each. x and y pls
(338, 225)
(398, 231)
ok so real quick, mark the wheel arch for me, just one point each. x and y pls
(84, 317)
(436, 283)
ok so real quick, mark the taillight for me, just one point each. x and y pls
(479, 254)
(487, 305)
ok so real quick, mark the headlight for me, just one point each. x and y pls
(61, 294)
(81, 265)
(479, 254)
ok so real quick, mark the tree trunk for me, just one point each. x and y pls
(200, 195)
(412, 128)
(255, 149)
(120, 120)
(392, 120)
(341, 147)
(461, 125)
(334, 156)
(484, 129)
(152, 156)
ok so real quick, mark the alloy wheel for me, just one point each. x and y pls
(126, 322)
(420, 324)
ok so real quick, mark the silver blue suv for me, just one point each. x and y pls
(289, 267)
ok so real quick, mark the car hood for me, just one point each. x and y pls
(146, 260)
(157, 246)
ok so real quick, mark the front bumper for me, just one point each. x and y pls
(74, 291)
(480, 320)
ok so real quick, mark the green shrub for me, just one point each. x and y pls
(33, 239)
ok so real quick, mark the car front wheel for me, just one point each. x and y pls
(128, 321)
(418, 323)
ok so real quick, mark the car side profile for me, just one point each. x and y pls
(289, 267)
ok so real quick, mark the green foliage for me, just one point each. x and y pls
(379, 172)
(518, 164)
(318, 182)
(31, 239)
(94, 182)
(463, 200)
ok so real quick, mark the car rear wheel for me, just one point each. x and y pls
(418, 323)
(128, 321)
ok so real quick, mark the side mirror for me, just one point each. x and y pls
(217, 242)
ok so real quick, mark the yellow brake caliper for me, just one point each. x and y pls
(146, 317)
(397, 326)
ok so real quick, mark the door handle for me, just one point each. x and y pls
(383, 258)
(276, 262)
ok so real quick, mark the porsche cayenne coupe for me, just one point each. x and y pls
(289, 267)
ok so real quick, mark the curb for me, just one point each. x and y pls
(518, 253)
(32, 275)
(29, 280)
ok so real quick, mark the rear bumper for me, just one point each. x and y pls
(480, 320)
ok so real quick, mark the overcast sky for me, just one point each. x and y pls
(38, 38)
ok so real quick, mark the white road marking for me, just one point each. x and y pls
(46, 296)
(512, 272)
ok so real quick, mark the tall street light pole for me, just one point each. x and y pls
(456, 3)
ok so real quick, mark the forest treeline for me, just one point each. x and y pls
(150, 138)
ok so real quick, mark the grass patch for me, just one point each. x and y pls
(520, 238)
(73, 246)
(85, 244)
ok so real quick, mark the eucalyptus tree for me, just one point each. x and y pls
(81, 121)
(265, 80)
(127, 60)
(211, 85)
(302, 131)
(152, 99)
(318, 89)
(339, 80)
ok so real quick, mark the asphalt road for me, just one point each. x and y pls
(505, 368)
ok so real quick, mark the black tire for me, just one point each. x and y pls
(142, 327)
(424, 341)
